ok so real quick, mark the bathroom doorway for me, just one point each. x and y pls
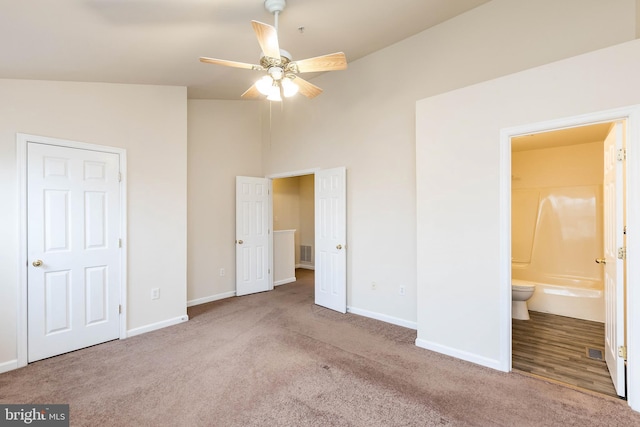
(561, 222)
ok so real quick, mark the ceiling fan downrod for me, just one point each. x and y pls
(275, 7)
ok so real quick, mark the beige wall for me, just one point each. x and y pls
(286, 208)
(566, 166)
(558, 90)
(307, 213)
(637, 18)
(224, 142)
(150, 122)
(293, 209)
(365, 121)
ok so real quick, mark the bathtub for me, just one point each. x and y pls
(569, 296)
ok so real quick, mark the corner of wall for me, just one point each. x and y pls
(638, 19)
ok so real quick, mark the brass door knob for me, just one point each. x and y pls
(601, 261)
(37, 263)
(339, 247)
(240, 242)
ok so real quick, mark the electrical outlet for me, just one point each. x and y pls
(374, 286)
(222, 272)
(401, 290)
(155, 293)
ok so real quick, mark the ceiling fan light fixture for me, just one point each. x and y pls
(275, 94)
(276, 73)
(265, 85)
(281, 80)
(289, 88)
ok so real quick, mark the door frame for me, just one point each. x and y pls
(632, 116)
(284, 176)
(22, 141)
(315, 219)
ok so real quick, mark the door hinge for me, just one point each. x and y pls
(622, 352)
(624, 230)
(622, 154)
(269, 271)
(119, 243)
(622, 253)
(119, 176)
(120, 308)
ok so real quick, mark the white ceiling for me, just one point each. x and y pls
(159, 41)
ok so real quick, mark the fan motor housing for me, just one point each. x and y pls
(275, 5)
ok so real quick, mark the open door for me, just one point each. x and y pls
(331, 257)
(253, 235)
(613, 260)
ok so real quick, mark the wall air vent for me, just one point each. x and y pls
(305, 254)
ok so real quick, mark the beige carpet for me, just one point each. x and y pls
(276, 359)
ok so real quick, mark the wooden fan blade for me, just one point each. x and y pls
(307, 89)
(268, 39)
(231, 63)
(251, 93)
(333, 61)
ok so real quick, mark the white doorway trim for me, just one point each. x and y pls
(21, 149)
(328, 303)
(294, 174)
(285, 175)
(632, 115)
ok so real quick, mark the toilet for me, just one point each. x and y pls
(521, 291)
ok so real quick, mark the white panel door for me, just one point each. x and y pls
(252, 235)
(613, 269)
(331, 236)
(73, 226)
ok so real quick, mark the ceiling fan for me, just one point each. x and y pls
(282, 78)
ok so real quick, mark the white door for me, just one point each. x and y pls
(73, 226)
(253, 242)
(331, 256)
(613, 269)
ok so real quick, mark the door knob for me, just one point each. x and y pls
(601, 261)
(37, 263)
(240, 242)
(339, 247)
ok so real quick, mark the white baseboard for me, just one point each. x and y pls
(156, 326)
(211, 298)
(379, 316)
(284, 281)
(8, 366)
(306, 266)
(459, 354)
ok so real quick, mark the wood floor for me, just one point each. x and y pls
(555, 347)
